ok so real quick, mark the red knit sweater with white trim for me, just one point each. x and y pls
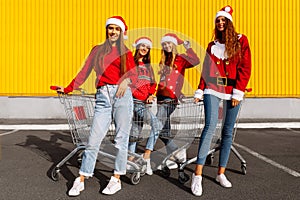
(145, 85)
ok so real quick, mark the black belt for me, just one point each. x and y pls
(222, 81)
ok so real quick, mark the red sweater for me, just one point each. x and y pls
(170, 84)
(145, 84)
(107, 73)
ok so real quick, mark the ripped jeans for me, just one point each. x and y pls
(108, 107)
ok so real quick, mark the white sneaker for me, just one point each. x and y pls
(196, 185)
(77, 187)
(181, 156)
(223, 181)
(148, 169)
(113, 186)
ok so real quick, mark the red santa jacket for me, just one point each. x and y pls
(145, 84)
(222, 77)
(171, 83)
(108, 73)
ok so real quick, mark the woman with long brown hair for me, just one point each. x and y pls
(115, 70)
(143, 93)
(225, 75)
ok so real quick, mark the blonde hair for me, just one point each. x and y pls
(167, 60)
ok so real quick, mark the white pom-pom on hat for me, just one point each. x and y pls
(225, 12)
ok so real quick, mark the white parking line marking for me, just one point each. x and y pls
(35, 127)
(9, 132)
(285, 125)
(269, 125)
(267, 160)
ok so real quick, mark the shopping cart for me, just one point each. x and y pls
(79, 109)
(215, 145)
(182, 123)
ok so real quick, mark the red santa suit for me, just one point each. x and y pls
(223, 77)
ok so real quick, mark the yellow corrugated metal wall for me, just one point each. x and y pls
(45, 43)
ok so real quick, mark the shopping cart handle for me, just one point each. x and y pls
(53, 87)
(56, 88)
(248, 89)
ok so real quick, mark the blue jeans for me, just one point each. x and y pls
(164, 111)
(108, 107)
(211, 111)
(143, 114)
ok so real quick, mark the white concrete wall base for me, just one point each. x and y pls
(51, 108)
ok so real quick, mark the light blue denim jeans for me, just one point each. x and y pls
(108, 107)
(211, 111)
(142, 115)
(164, 111)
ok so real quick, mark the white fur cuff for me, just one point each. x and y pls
(237, 94)
(198, 94)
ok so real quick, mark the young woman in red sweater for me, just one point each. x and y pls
(115, 70)
(143, 94)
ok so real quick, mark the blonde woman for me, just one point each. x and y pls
(172, 70)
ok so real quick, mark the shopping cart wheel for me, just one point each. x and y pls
(183, 177)
(55, 174)
(135, 178)
(243, 167)
(142, 173)
(166, 172)
(209, 159)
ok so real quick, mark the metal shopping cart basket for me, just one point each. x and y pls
(79, 109)
(182, 123)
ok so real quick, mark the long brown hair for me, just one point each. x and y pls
(167, 60)
(146, 60)
(229, 37)
(106, 48)
(137, 56)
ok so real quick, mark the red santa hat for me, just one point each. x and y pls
(119, 21)
(143, 40)
(171, 37)
(225, 12)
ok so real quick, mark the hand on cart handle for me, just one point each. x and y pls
(61, 89)
(150, 99)
(197, 100)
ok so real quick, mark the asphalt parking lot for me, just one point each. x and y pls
(272, 155)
